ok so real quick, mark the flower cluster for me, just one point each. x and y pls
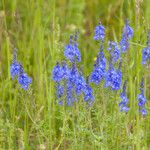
(71, 50)
(113, 47)
(99, 69)
(126, 36)
(16, 70)
(70, 80)
(146, 51)
(124, 102)
(141, 99)
(100, 64)
(113, 77)
(99, 33)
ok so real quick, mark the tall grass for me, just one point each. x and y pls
(39, 30)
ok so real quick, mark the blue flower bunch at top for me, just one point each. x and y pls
(141, 99)
(100, 64)
(99, 33)
(124, 102)
(70, 82)
(113, 77)
(16, 70)
(146, 51)
(88, 93)
(71, 50)
(126, 36)
(113, 47)
(99, 68)
(15, 66)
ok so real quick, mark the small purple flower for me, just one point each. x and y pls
(141, 99)
(88, 93)
(57, 73)
(114, 51)
(73, 74)
(71, 50)
(126, 36)
(60, 91)
(145, 55)
(99, 69)
(124, 102)
(24, 80)
(113, 78)
(80, 84)
(15, 69)
(65, 71)
(15, 66)
(69, 94)
(143, 111)
(146, 51)
(99, 33)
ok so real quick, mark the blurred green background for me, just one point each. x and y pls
(39, 29)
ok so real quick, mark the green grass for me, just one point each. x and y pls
(39, 30)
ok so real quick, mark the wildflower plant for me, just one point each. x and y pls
(146, 51)
(100, 64)
(141, 99)
(16, 70)
(99, 33)
(126, 36)
(115, 53)
(71, 50)
(113, 77)
(124, 100)
(73, 81)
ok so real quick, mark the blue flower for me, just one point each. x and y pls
(143, 111)
(57, 74)
(15, 69)
(69, 94)
(124, 102)
(141, 99)
(80, 84)
(116, 80)
(24, 80)
(114, 51)
(88, 93)
(145, 55)
(126, 36)
(71, 51)
(60, 91)
(73, 74)
(65, 71)
(99, 69)
(99, 33)
(113, 78)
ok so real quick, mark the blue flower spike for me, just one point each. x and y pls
(16, 70)
(113, 77)
(123, 104)
(88, 93)
(141, 99)
(113, 47)
(57, 74)
(71, 51)
(15, 66)
(126, 36)
(146, 51)
(23, 79)
(99, 33)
